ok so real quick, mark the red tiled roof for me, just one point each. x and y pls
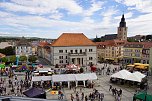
(2, 55)
(147, 45)
(73, 39)
(43, 43)
(110, 43)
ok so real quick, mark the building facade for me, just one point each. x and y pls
(23, 48)
(73, 48)
(122, 29)
(133, 52)
(44, 50)
(110, 50)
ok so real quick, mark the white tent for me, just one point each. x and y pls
(41, 78)
(136, 76)
(92, 76)
(70, 77)
(123, 74)
(81, 77)
(139, 74)
(74, 77)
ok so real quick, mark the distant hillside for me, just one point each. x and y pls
(2, 38)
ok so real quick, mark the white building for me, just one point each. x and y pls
(73, 48)
(23, 48)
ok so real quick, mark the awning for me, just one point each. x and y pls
(143, 96)
(41, 78)
(66, 77)
(74, 77)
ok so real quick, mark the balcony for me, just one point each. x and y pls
(77, 54)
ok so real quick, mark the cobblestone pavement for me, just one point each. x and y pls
(102, 85)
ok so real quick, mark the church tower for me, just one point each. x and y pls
(122, 29)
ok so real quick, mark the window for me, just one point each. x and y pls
(61, 61)
(137, 55)
(85, 50)
(60, 57)
(60, 51)
(90, 50)
(71, 51)
(65, 51)
(66, 61)
(90, 58)
(80, 50)
(112, 48)
(76, 51)
(66, 57)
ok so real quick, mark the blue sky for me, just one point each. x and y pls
(51, 18)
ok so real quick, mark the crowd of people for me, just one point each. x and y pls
(13, 86)
(80, 96)
(115, 92)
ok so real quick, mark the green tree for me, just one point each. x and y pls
(23, 58)
(4, 59)
(148, 37)
(12, 58)
(32, 58)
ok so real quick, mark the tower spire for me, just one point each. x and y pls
(122, 22)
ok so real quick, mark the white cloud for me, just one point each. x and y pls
(127, 15)
(95, 6)
(140, 5)
(41, 6)
(107, 16)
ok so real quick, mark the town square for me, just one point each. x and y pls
(75, 50)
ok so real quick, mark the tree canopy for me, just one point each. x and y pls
(12, 58)
(8, 51)
(32, 58)
(4, 59)
(23, 58)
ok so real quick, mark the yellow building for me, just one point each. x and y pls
(111, 50)
(133, 52)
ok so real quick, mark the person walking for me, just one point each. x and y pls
(102, 96)
(110, 88)
(72, 97)
(82, 96)
(86, 98)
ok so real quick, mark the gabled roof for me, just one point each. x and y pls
(73, 39)
(2, 55)
(145, 45)
(110, 43)
(43, 44)
(23, 42)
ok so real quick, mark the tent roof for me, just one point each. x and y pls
(123, 74)
(41, 78)
(74, 77)
(136, 76)
(66, 77)
(81, 77)
(139, 74)
(34, 92)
